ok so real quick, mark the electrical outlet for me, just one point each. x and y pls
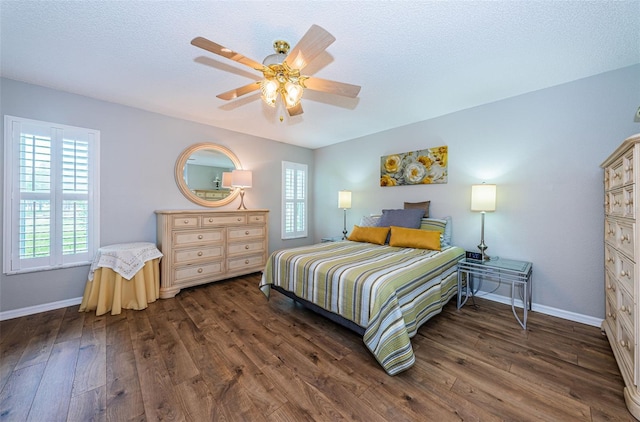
(637, 118)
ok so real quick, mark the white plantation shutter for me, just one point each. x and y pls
(294, 200)
(51, 195)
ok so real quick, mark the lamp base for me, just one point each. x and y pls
(242, 207)
(483, 248)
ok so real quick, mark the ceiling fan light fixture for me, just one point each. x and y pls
(292, 94)
(269, 88)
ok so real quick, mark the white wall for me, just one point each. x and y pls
(542, 149)
(138, 154)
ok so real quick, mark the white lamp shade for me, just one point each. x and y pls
(344, 199)
(241, 178)
(226, 179)
(483, 197)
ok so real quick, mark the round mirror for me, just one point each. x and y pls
(203, 174)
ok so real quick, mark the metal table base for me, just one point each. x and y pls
(516, 273)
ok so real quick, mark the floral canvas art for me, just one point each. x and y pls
(422, 167)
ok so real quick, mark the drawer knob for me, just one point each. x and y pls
(623, 308)
(625, 344)
(624, 273)
(247, 232)
(239, 219)
(186, 221)
(246, 246)
(624, 238)
(199, 270)
(609, 259)
(200, 236)
(211, 220)
(611, 287)
(246, 261)
(200, 253)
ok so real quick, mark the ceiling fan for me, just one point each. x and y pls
(282, 70)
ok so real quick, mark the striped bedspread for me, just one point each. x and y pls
(389, 291)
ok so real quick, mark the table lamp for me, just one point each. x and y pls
(226, 179)
(344, 202)
(241, 179)
(483, 199)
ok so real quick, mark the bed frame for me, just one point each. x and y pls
(315, 308)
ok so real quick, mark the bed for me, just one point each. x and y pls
(381, 291)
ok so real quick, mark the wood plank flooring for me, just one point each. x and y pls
(222, 352)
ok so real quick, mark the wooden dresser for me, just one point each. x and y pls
(622, 279)
(203, 246)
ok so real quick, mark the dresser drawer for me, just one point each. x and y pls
(192, 237)
(619, 202)
(257, 218)
(190, 272)
(625, 307)
(223, 220)
(204, 254)
(236, 233)
(188, 221)
(610, 229)
(611, 314)
(621, 267)
(234, 264)
(625, 237)
(245, 247)
(627, 167)
(614, 175)
(626, 346)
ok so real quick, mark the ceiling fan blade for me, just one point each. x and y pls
(235, 93)
(295, 110)
(314, 42)
(205, 44)
(332, 87)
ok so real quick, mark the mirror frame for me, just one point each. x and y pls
(182, 185)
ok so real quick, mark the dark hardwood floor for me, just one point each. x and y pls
(221, 352)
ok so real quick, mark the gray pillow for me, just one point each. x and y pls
(419, 205)
(410, 218)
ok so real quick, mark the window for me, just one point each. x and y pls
(51, 195)
(294, 200)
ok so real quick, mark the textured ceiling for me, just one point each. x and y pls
(414, 60)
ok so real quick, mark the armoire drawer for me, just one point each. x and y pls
(625, 343)
(620, 267)
(619, 202)
(625, 307)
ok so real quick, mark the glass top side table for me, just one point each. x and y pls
(517, 273)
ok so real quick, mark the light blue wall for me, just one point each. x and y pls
(138, 154)
(542, 149)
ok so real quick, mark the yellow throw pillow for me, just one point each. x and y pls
(414, 238)
(377, 235)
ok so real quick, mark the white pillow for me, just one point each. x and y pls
(369, 221)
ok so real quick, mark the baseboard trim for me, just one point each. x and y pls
(30, 310)
(547, 310)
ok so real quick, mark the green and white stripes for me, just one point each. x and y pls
(387, 290)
